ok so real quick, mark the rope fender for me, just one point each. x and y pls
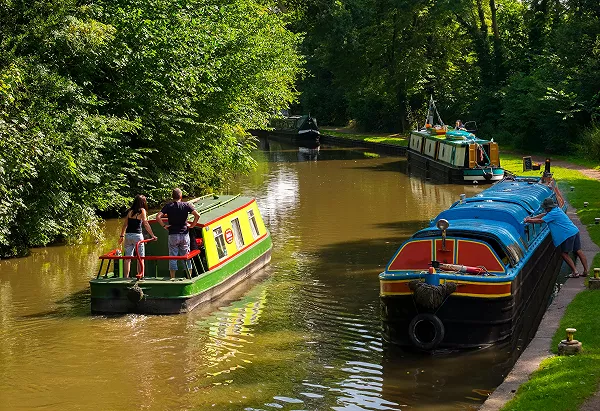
(135, 294)
(430, 296)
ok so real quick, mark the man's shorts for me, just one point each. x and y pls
(572, 243)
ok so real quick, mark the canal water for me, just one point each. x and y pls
(305, 335)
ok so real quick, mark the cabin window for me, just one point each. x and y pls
(237, 233)
(220, 242)
(253, 225)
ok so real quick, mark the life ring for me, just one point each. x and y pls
(426, 331)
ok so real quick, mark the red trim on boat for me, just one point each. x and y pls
(239, 251)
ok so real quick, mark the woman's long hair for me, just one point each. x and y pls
(139, 202)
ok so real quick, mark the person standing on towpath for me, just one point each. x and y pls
(564, 234)
(177, 213)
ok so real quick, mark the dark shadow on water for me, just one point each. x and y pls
(74, 305)
(405, 226)
(395, 166)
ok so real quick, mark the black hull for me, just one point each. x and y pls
(308, 139)
(475, 321)
(427, 167)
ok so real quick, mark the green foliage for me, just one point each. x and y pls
(563, 383)
(527, 72)
(103, 100)
(590, 143)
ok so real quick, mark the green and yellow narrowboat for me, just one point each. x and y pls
(229, 244)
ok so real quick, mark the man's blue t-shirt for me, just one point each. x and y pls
(177, 212)
(560, 225)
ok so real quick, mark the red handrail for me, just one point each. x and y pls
(139, 258)
(112, 255)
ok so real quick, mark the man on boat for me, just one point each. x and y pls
(564, 234)
(177, 213)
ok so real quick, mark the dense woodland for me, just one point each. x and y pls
(527, 71)
(100, 100)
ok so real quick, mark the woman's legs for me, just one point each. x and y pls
(131, 239)
(126, 265)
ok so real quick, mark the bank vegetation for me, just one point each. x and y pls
(101, 100)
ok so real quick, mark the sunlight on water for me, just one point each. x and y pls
(303, 336)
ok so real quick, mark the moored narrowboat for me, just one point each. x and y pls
(452, 154)
(301, 129)
(477, 274)
(229, 244)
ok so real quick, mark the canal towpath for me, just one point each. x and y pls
(539, 348)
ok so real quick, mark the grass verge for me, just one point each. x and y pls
(382, 138)
(564, 383)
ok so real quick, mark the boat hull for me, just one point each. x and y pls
(428, 167)
(163, 296)
(473, 321)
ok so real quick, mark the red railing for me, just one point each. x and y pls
(113, 255)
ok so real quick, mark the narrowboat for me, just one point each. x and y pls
(452, 154)
(229, 244)
(477, 274)
(301, 129)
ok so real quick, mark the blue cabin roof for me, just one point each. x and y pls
(525, 192)
(506, 213)
(496, 212)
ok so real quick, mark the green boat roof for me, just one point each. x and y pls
(442, 137)
(212, 207)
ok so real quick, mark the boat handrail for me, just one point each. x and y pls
(116, 255)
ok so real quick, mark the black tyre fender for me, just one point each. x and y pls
(434, 324)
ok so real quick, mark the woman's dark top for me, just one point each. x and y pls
(134, 225)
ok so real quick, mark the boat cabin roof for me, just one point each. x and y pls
(214, 207)
(511, 214)
(447, 138)
(523, 191)
(496, 212)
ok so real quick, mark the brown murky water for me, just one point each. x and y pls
(305, 336)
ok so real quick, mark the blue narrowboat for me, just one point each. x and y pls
(477, 275)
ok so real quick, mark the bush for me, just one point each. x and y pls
(590, 143)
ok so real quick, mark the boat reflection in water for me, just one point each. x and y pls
(308, 153)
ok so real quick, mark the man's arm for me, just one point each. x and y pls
(159, 219)
(196, 218)
(536, 219)
(533, 220)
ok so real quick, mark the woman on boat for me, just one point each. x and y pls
(132, 230)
